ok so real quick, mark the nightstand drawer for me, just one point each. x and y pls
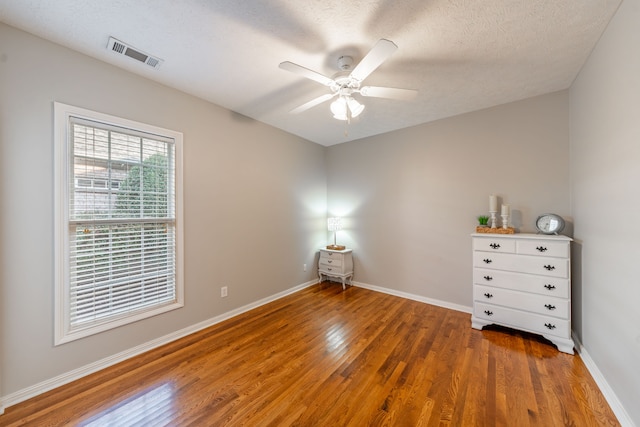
(331, 262)
(330, 270)
(330, 254)
(545, 305)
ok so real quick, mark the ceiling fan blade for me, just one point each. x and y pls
(388, 92)
(305, 72)
(376, 56)
(313, 103)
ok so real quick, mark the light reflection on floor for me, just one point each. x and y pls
(152, 407)
(336, 340)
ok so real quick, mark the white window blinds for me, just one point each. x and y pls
(121, 225)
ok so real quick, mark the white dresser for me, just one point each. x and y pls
(337, 264)
(523, 281)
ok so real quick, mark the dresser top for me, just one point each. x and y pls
(532, 236)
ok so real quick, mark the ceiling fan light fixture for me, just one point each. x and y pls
(345, 108)
(355, 107)
(339, 108)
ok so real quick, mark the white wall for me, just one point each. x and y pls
(410, 198)
(255, 203)
(605, 177)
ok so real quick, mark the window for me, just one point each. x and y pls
(118, 222)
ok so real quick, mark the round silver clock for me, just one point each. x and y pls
(549, 223)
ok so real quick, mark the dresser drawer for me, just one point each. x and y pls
(496, 244)
(531, 322)
(551, 286)
(543, 248)
(546, 266)
(545, 305)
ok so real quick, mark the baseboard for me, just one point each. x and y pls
(60, 380)
(616, 406)
(415, 297)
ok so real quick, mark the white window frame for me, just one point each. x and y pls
(62, 157)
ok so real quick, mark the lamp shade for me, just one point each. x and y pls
(339, 108)
(334, 224)
(355, 107)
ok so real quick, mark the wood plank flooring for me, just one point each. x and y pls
(327, 357)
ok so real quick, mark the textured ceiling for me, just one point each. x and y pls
(461, 55)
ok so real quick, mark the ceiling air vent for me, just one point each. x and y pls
(121, 48)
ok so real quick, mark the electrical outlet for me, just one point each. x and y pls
(304, 267)
(223, 291)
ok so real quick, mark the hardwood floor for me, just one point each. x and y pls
(324, 357)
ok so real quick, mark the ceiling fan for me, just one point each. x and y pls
(346, 82)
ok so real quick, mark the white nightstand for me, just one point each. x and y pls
(338, 264)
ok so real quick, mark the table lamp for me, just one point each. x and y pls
(334, 224)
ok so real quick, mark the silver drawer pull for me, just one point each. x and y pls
(330, 269)
(495, 245)
(541, 248)
(488, 295)
(549, 267)
(550, 307)
(549, 287)
(330, 261)
(488, 278)
(550, 326)
(488, 312)
(487, 261)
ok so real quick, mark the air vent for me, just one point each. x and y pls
(121, 48)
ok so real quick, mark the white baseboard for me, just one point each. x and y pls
(60, 380)
(415, 297)
(616, 406)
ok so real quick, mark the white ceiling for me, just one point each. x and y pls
(461, 55)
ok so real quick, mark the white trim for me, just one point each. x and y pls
(616, 406)
(60, 380)
(414, 297)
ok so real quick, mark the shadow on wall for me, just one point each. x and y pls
(576, 287)
(237, 117)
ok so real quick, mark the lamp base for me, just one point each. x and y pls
(336, 247)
